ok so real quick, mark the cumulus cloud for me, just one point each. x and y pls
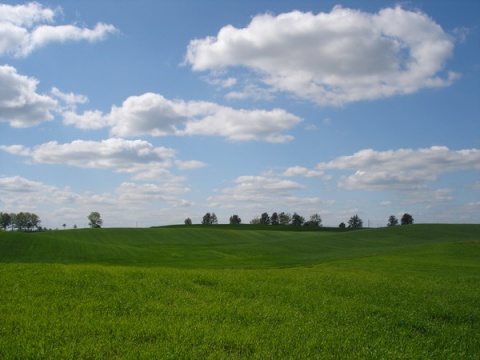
(133, 192)
(301, 171)
(332, 58)
(25, 28)
(57, 205)
(152, 114)
(16, 190)
(137, 157)
(20, 104)
(252, 194)
(403, 169)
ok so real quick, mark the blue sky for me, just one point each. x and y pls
(150, 112)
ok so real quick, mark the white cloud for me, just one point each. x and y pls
(189, 165)
(20, 194)
(167, 193)
(69, 98)
(137, 157)
(301, 171)
(148, 204)
(23, 29)
(152, 114)
(332, 58)
(254, 194)
(20, 104)
(403, 169)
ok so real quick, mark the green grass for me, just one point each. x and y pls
(241, 293)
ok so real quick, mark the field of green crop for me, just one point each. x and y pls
(241, 293)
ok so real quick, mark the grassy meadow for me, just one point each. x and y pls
(241, 292)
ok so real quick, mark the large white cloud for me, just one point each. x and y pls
(137, 157)
(403, 169)
(152, 114)
(130, 203)
(332, 58)
(252, 195)
(20, 104)
(24, 28)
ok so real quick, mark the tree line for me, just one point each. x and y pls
(23, 221)
(26, 221)
(355, 222)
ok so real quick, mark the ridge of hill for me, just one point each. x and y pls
(221, 246)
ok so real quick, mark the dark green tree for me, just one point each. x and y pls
(355, 222)
(235, 220)
(342, 225)
(265, 219)
(297, 220)
(209, 219)
(315, 220)
(407, 219)
(274, 219)
(188, 221)
(392, 221)
(5, 220)
(95, 220)
(284, 218)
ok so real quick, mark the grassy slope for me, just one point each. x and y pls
(217, 247)
(406, 292)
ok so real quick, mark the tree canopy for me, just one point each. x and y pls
(407, 219)
(355, 222)
(95, 220)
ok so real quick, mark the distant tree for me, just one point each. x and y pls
(392, 221)
(342, 225)
(284, 218)
(355, 222)
(209, 219)
(188, 221)
(407, 219)
(5, 220)
(95, 220)
(265, 219)
(255, 221)
(64, 226)
(297, 220)
(13, 221)
(315, 220)
(74, 226)
(235, 220)
(274, 219)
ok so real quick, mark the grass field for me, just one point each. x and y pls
(241, 293)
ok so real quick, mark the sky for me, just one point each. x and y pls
(151, 112)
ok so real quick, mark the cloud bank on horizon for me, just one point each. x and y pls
(239, 146)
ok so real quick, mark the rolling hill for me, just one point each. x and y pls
(221, 246)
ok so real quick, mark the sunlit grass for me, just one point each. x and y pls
(417, 302)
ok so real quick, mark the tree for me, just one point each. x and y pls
(297, 220)
(188, 221)
(5, 220)
(341, 225)
(392, 221)
(407, 219)
(265, 219)
(95, 220)
(315, 220)
(274, 219)
(209, 219)
(64, 226)
(235, 220)
(355, 222)
(284, 218)
(255, 221)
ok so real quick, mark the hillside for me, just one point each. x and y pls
(220, 246)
